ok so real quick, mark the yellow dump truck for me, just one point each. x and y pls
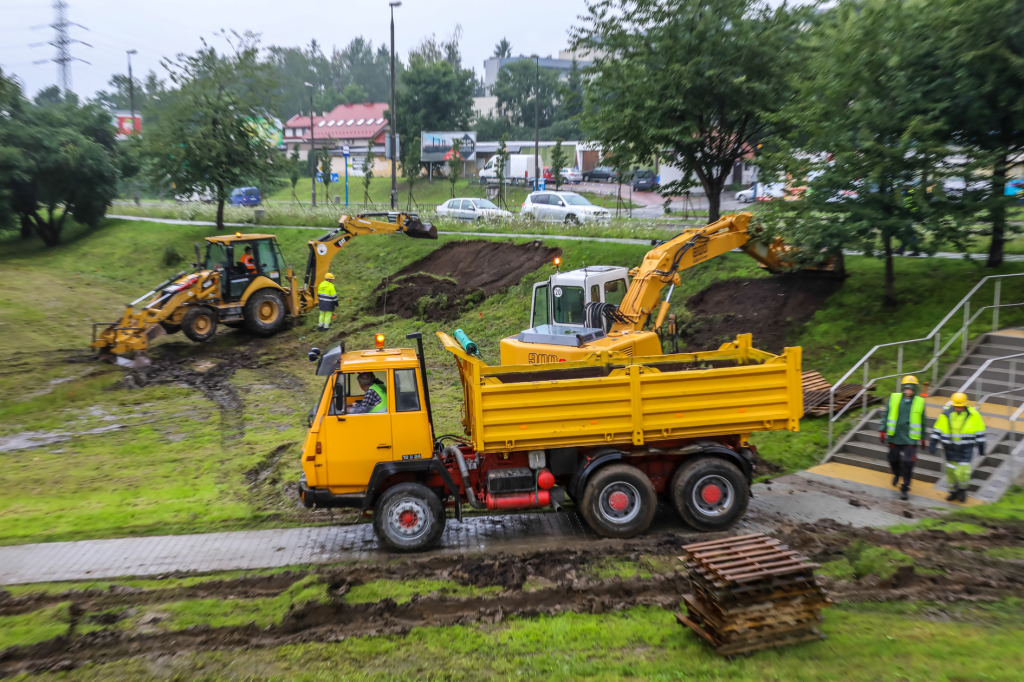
(609, 432)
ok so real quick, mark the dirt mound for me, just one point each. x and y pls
(457, 276)
(770, 308)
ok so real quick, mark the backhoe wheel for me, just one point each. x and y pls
(199, 323)
(408, 517)
(619, 501)
(264, 312)
(171, 328)
(710, 493)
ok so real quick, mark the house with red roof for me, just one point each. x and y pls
(355, 125)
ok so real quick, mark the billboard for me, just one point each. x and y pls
(437, 147)
(122, 120)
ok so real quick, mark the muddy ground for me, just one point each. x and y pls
(948, 567)
(457, 276)
(769, 308)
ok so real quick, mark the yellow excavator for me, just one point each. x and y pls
(604, 309)
(226, 287)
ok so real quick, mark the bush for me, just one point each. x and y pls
(171, 257)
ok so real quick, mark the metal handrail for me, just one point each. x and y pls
(938, 349)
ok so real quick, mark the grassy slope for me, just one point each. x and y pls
(171, 469)
(865, 643)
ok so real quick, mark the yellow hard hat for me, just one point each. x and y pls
(909, 379)
(959, 400)
(328, 276)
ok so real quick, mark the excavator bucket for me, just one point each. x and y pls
(417, 229)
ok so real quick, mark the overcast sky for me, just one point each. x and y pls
(158, 29)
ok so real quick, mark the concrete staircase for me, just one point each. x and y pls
(1004, 456)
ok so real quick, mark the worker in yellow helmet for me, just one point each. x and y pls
(327, 297)
(904, 431)
(959, 428)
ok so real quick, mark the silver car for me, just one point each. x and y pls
(563, 207)
(471, 209)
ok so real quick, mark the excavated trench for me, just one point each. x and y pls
(458, 276)
(533, 583)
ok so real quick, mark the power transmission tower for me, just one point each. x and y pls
(62, 41)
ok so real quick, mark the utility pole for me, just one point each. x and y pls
(62, 41)
(394, 114)
(536, 126)
(131, 111)
(312, 144)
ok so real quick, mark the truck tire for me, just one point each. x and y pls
(264, 312)
(619, 501)
(408, 517)
(199, 323)
(710, 493)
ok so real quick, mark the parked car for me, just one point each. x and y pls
(245, 196)
(567, 207)
(644, 180)
(772, 190)
(745, 196)
(471, 209)
(568, 175)
(600, 174)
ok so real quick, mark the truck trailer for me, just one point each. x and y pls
(610, 433)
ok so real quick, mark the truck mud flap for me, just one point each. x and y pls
(578, 483)
(385, 469)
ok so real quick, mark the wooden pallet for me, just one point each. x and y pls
(750, 593)
(816, 391)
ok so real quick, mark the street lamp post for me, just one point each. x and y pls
(312, 145)
(394, 116)
(536, 125)
(131, 111)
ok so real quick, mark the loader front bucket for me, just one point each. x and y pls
(417, 229)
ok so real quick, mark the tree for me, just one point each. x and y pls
(294, 170)
(325, 172)
(453, 164)
(865, 134)
(367, 171)
(982, 57)
(559, 159)
(499, 169)
(411, 169)
(503, 50)
(208, 138)
(696, 80)
(516, 88)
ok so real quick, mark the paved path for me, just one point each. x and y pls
(949, 255)
(786, 500)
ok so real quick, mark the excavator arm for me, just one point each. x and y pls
(323, 250)
(662, 265)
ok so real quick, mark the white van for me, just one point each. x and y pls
(518, 166)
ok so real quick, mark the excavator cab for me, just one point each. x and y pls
(225, 254)
(562, 300)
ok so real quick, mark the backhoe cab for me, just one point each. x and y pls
(229, 288)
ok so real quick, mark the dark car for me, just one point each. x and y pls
(245, 196)
(600, 174)
(644, 180)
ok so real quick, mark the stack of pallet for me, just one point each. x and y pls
(816, 394)
(751, 592)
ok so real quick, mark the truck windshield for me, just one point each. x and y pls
(568, 305)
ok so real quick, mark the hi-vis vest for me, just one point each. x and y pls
(916, 415)
(960, 428)
(327, 296)
(382, 406)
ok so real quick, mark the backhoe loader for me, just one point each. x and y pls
(596, 309)
(222, 289)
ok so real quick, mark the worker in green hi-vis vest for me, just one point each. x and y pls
(904, 431)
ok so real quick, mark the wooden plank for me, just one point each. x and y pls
(778, 571)
(762, 567)
(721, 551)
(753, 558)
(711, 543)
(683, 620)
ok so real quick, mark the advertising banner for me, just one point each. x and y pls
(122, 120)
(436, 147)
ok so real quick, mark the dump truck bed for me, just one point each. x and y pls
(614, 400)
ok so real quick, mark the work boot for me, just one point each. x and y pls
(895, 480)
(962, 494)
(953, 494)
(904, 496)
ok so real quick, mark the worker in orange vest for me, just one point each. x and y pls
(248, 261)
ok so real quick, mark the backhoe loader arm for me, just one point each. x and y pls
(323, 250)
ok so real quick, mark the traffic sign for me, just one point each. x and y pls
(334, 177)
(345, 150)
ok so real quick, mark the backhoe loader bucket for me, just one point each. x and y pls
(417, 229)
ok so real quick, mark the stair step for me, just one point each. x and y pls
(883, 466)
(877, 451)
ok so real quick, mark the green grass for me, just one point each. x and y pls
(1009, 508)
(402, 591)
(37, 626)
(237, 612)
(1015, 553)
(939, 524)
(861, 560)
(640, 643)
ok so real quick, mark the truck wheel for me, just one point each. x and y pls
(199, 323)
(709, 493)
(619, 501)
(408, 517)
(264, 312)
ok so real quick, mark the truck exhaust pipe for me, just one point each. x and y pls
(454, 451)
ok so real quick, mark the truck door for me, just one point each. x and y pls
(355, 442)
(540, 311)
(410, 427)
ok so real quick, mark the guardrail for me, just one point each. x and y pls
(938, 349)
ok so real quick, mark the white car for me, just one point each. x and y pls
(471, 209)
(572, 175)
(745, 196)
(567, 207)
